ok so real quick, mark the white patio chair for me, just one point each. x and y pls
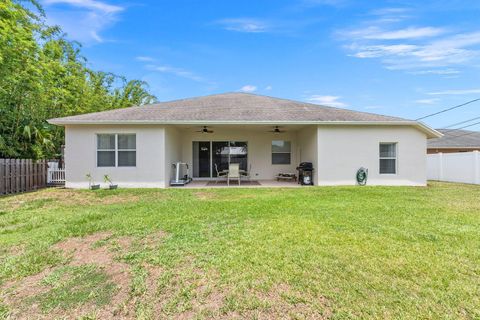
(247, 174)
(233, 172)
(220, 175)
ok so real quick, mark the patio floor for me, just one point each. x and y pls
(252, 184)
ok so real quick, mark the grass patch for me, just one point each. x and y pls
(71, 286)
(337, 252)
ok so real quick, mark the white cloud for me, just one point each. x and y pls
(331, 101)
(427, 101)
(268, 88)
(388, 11)
(88, 4)
(177, 72)
(244, 25)
(144, 59)
(408, 33)
(248, 88)
(82, 20)
(459, 49)
(456, 92)
(378, 51)
(376, 33)
(399, 46)
(437, 71)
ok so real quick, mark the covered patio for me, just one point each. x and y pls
(262, 152)
(200, 184)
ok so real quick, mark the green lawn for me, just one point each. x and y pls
(332, 252)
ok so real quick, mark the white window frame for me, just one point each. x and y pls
(272, 153)
(388, 158)
(116, 149)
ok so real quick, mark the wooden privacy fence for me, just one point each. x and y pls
(21, 175)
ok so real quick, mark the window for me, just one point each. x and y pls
(388, 158)
(127, 154)
(106, 150)
(281, 152)
(116, 150)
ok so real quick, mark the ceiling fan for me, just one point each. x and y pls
(205, 130)
(276, 130)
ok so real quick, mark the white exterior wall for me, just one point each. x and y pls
(342, 150)
(173, 151)
(81, 154)
(335, 151)
(259, 148)
(454, 167)
(308, 148)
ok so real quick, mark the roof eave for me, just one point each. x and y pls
(431, 133)
(450, 147)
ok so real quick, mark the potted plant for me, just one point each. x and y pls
(91, 183)
(107, 179)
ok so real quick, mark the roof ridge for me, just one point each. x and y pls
(321, 105)
(274, 98)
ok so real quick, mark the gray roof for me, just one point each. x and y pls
(453, 138)
(230, 107)
(241, 108)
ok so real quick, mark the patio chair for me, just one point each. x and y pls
(220, 175)
(233, 172)
(247, 174)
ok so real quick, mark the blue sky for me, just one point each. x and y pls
(400, 57)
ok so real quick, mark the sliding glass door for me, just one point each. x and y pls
(219, 153)
(220, 156)
(239, 153)
(201, 159)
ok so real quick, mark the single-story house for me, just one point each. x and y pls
(454, 140)
(137, 146)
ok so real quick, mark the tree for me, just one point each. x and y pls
(42, 76)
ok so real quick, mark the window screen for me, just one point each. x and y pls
(106, 150)
(388, 158)
(281, 152)
(116, 150)
(127, 154)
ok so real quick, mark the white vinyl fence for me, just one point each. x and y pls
(454, 167)
(55, 175)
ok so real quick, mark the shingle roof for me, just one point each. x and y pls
(239, 108)
(456, 139)
(228, 107)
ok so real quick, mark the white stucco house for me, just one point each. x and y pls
(137, 146)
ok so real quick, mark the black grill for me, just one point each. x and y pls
(305, 173)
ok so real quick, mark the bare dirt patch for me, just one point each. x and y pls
(154, 239)
(185, 292)
(205, 195)
(282, 301)
(80, 252)
(58, 197)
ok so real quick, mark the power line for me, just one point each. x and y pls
(462, 122)
(462, 135)
(470, 125)
(448, 109)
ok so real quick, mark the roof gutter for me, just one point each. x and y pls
(431, 133)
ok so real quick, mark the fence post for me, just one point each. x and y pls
(29, 173)
(22, 175)
(476, 166)
(8, 175)
(44, 173)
